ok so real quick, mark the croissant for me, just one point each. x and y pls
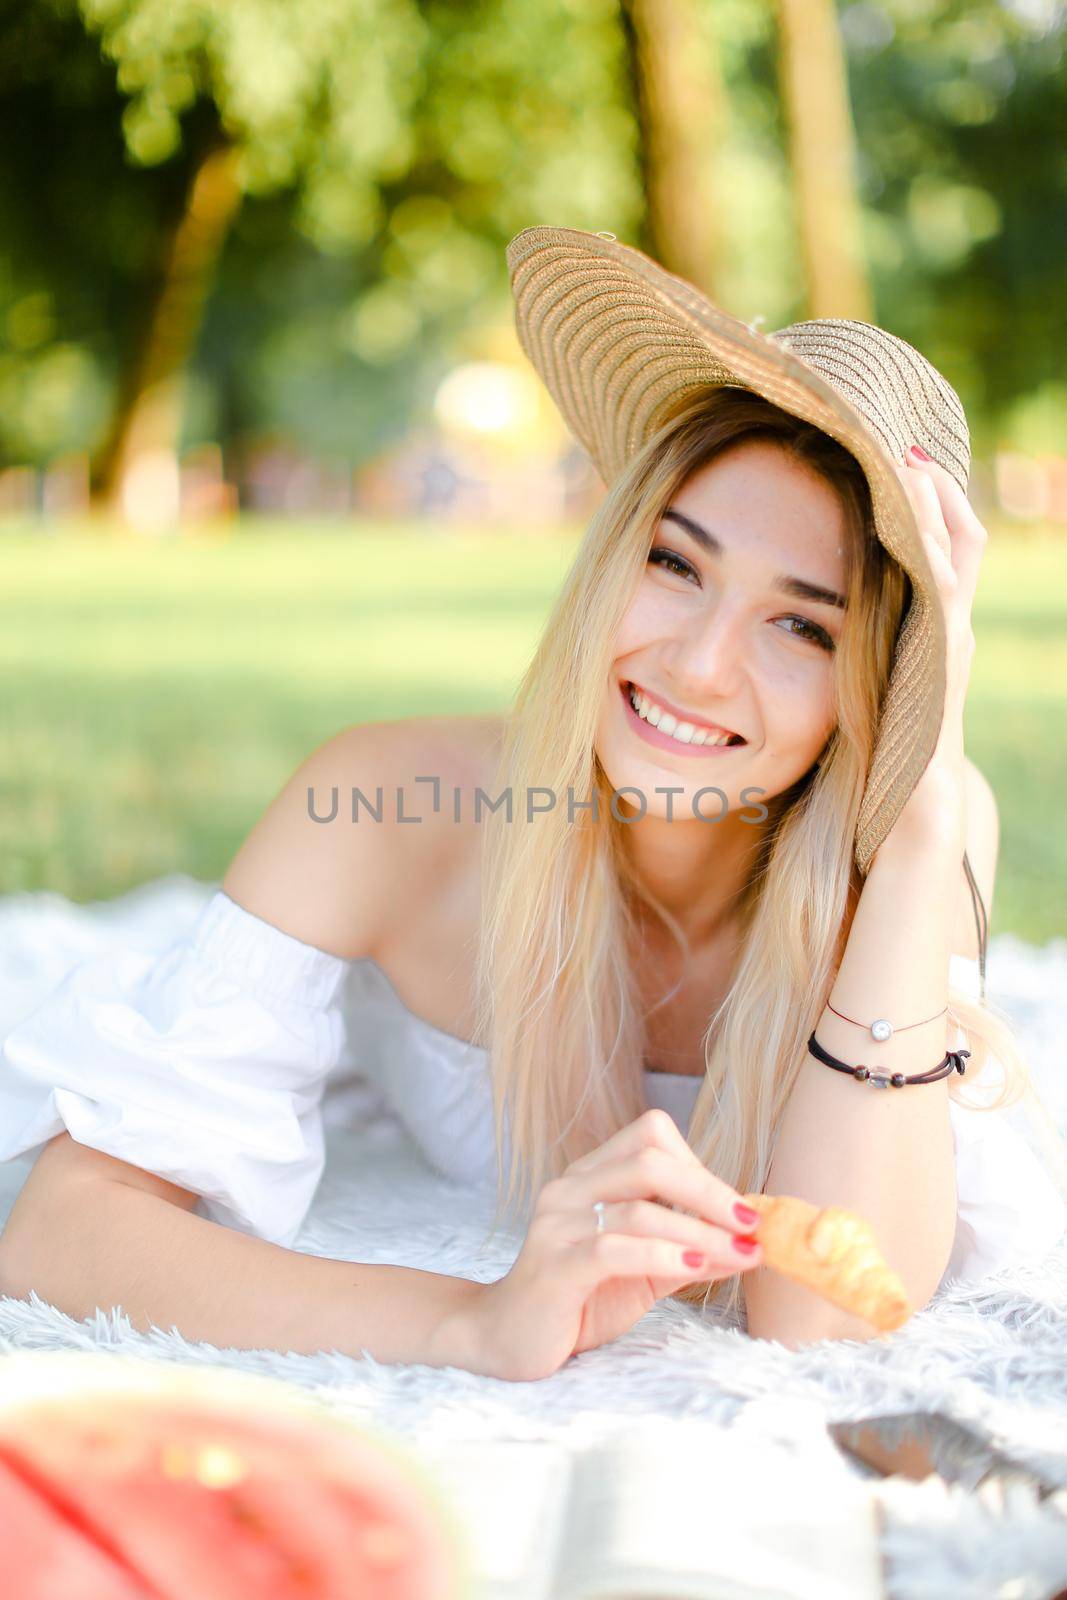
(834, 1252)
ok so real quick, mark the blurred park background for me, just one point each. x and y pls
(271, 459)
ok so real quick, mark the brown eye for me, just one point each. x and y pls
(813, 632)
(672, 562)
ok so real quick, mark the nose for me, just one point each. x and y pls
(707, 657)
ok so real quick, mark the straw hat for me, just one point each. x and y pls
(615, 338)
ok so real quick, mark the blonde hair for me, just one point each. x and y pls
(555, 997)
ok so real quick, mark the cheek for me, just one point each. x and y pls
(646, 619)
(799, 697)
(634, 629)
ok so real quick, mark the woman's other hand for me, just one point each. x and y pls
(573, 1288)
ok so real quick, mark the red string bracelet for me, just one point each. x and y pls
(881, 1028)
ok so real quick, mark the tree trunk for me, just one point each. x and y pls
(136, 473)
(681, 105)
(814, 82)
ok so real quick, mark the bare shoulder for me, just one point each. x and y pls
(433, 758)
(437, 764)
(466, 745)
(331, 861)
(983, 845)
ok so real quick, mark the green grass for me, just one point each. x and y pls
(1016, 724)
(158, 694)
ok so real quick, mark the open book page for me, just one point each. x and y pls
(682, 1510)
(509, 1497)
(666, 1509)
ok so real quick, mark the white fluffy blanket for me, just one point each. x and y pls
(980, 1375)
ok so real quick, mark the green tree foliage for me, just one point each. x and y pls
(422, 135)
(386, 150)
(523, 116)
(960, 107)
(408, 143)
(321, 92)
(78, 231)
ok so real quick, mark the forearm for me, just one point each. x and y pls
(886, 1154)
(96, 1243)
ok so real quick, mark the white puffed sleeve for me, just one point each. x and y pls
(1008, 1208)
(204, 1064)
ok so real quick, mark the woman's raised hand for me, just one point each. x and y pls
(573, 1287)
(955, 542)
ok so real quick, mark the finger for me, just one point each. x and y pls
(653, 1126)
(945, 575)
(934, 535)
(653, 1172)
(657, 1129)
(620, 1255)
(651, 1221)
(960, 516)
(967, 534)
(920, 490)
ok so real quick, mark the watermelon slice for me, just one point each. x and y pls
(122, 1479)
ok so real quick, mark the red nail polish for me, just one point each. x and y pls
(745, 1215)
(916, 450)
(746, 1246)
(693, 1258)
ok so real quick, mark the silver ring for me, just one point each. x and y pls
(598, 1207)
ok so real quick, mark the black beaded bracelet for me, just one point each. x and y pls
(883, 1080)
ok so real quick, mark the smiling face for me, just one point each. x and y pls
(732, 626)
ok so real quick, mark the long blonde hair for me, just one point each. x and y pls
(555, 994)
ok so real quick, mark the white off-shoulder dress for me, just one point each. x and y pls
(218, 1062)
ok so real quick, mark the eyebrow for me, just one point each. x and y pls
(799, 588)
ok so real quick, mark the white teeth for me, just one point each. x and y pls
(684, 732)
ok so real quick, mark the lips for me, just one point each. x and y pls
(680, 715)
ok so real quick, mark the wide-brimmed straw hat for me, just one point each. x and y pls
(617, 339)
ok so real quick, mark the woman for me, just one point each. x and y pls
(655, 910)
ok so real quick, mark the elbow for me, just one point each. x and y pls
(8, 1269)
(21, 1248)
(35, 1249)
(816, 1327)
(21, 1242)
(779, 1309)
(791, 1315)
(814, 1330)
